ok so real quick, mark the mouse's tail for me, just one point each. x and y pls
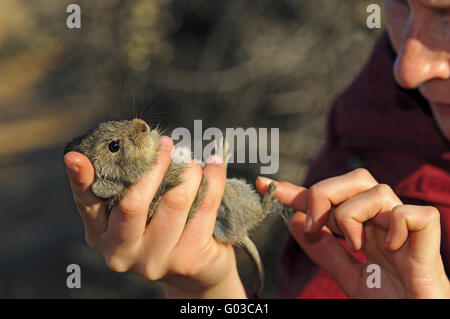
(252, 250)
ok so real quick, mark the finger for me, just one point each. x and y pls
(91, 209)
(352, 213)
(201, 227)
(128, 218)
(333, 191)
(421, 224)
(326, 251)
(332, 223)
(287, 193)
(169, 220)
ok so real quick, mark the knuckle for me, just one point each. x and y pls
(152, 271)
(399, 211)
(185, 269)
(315, 191)
(117, 264)
(432, 212)
(382, 190)
(362, 174)
(86, 207)
(176, 202)
(130, 205)
(90, 241)
(208, 204)
(151, 275)
(127, 210)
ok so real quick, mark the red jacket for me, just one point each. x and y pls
(390, 131)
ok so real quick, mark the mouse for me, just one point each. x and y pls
(122, 151)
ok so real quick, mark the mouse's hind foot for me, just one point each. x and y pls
(269, 199)
(271, 204)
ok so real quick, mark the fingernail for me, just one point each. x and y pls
(308, 223)
(165, 143)
(265, 180)
(214, 159)
(73, 170)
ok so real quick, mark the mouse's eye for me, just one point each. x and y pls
(114, 146)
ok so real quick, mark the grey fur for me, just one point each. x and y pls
(241, 209)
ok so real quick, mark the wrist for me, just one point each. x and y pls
(229, 288)
(436, 286)
(444, 285)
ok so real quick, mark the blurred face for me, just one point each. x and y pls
(420, 33)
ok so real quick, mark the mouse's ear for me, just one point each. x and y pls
(104, 188)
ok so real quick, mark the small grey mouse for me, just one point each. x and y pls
(122, 151)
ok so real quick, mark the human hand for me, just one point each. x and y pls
(404, 240)
(186, 258)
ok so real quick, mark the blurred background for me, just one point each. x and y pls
(230, 63)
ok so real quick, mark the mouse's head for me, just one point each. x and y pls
(120, 151)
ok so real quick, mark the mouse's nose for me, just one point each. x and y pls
(140, 125)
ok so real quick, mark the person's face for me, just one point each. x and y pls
(420, 34)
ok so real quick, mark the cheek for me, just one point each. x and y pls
(105, 164)
(397, 15)
(443, 121)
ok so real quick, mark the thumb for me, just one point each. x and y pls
(91, 208)
(81, 175)
(326, 251)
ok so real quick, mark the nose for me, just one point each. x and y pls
(140, 125)
(417, 64)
